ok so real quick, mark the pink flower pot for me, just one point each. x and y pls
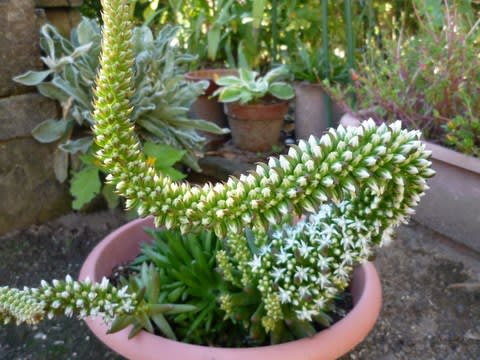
(124, 244)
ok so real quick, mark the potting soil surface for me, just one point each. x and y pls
(431, 291)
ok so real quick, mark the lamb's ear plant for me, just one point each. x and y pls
(161, 101)
(277, 279)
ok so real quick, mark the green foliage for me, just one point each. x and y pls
(310, 63)
(463, 133)
(248, 87)
(162, 99)
(91, 9)
(430, 80)
(187, 271)
(152, 312)
(84, 186)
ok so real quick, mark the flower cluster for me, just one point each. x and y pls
(305, 266)
(66, 297)
(357, 183)
(312, 173)
(373, 176)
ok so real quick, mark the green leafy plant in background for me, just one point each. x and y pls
(430, 79)
(162, 100)
(248, 87)
(276, 280)
(91, 9)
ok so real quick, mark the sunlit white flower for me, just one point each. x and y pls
(285, 295)
(301, 273)
(255, 263)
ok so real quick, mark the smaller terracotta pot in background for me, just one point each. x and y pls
(311, 117)
(207, 107)
(256, 127)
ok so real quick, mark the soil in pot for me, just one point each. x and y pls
(256, 127)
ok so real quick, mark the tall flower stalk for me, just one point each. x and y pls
(379, 172)
(357, 183)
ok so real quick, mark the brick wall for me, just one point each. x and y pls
(29, 192)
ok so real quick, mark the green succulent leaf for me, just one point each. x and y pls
(230, 94)
(229, 80)
(180, 308)
(137, 327)
(282, 90)
(247, 75)
(120, 323)
(276, 74)
(164, 326)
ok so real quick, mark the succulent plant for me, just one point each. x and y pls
(277, 278)
(376, 173)
(248, 87)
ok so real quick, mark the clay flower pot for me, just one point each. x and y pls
(207, 107)
(256, 127)
(124, 244)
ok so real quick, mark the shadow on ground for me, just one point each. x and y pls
(423, 316)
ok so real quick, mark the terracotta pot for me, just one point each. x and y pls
(256, 127)
(311, 116)
(207, 107)
(124, 244)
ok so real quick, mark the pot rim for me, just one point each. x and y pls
(351, 330)
(209, 74)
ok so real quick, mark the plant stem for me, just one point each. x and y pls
(326, 45)
(350, 42)
(274, 30)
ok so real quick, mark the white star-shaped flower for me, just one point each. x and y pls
(285, 295)
(282, 256)
(277, 273)
(302, 273)
(256, 263)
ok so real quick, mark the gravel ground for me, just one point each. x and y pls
(431, 295)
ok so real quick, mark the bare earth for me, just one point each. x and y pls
(431, 294)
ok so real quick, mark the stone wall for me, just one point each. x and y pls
(29, 192)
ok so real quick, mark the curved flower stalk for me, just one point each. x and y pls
(339, 164)
(362, 182)
(67, 297)
(374, 176)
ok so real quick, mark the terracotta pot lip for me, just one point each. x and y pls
(305, 83)
(454, 158)
(208, 74)
(367, 296)
(279, 103)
